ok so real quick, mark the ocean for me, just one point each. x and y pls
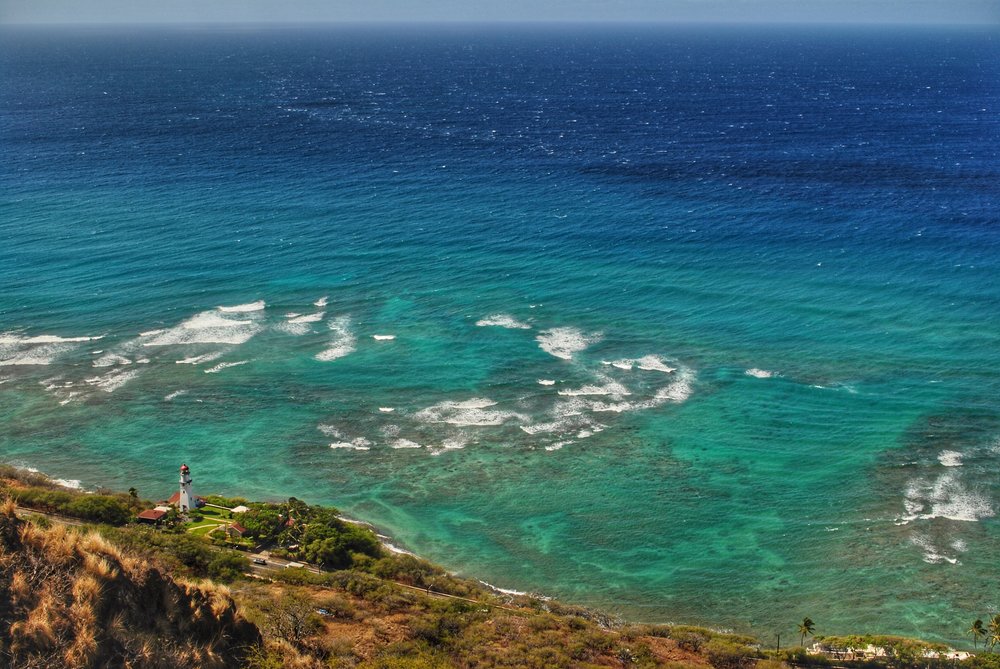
(692, 324)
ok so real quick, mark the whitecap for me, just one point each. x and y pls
(945, 497)
(321, 302)
(564, 342)
(207, 327)
(474, 412)
(383, 337)
(546, 382)
(502, 321)
(405, 443)
(225, 365)
(343, 342)
(950, 458)
(652, 363)
(386, 409)
(931, 553)
(760, 373)
(610, 387)
(53, 339)
(16, 350)
(243, 308)
(330, 430)
(359, 444)
(308, 318)
(174, 395)
(113, 380)
(198, 359)
(110, 359)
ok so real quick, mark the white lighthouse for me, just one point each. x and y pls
(186, 500)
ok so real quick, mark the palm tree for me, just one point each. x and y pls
(977, 631)
(994, 631)
(807, 627)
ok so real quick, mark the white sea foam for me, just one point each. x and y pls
(207, 327)
(174, 395)
(564, 342)
(945, 497)
(243, 308)
(931, 552)
(17, 350)
(386, 409)
(760, 373)
(383, 337)
(308, 318)
(558, 445)
(405, 443)
(113, 380)
(610, 387)
(474, 412)
(359, 444)
(298, 324)
(111, 359)
(198, 359)
(343, 342)
(321, 302)
(653, 363)
(680, 390)
(507, 591)
(330, 430)
(950, 458)
(52, 339)
(546, 382)
(502, 321)
(225, 365)
(649, 363)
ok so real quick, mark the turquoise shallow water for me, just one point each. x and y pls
(755, 271)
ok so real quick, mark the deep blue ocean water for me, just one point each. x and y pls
(692, 324)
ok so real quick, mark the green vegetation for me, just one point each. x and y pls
(372, 608)
(314, 534)
(806, 628)
(977, 631)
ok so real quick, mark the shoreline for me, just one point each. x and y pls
(387, 542)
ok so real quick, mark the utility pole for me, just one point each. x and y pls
(777, 646)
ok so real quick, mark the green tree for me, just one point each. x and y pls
(977, 631)
(806, 627)
(994, 631)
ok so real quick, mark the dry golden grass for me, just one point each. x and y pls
(75, 600)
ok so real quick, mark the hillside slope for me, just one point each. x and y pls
(74, 600)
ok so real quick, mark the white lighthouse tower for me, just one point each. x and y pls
(186, 501)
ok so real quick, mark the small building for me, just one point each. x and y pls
(235, 531)
(151, 516)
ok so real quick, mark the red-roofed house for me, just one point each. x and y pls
(151, 516)
(235, 530)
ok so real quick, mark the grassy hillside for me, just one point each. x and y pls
(72, 599)
(136, 596)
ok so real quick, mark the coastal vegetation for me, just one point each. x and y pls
(117, 595)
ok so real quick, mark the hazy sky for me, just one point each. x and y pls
(213, 11)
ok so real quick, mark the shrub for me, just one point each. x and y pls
(724, 654)
(689, 639)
